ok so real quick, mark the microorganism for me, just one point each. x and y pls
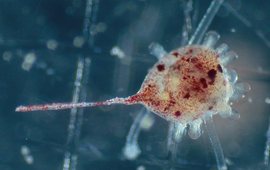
(187, 85)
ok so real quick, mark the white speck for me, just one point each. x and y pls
(78, 42)
(141, 167)
(267, 100)
(118, 52)
(50, 71)
(25, 150)
(52, 44)
(7, 56)
(131, 151)
(29, 159)
(29, 60)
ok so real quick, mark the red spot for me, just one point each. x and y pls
(190, 50)
(199, 66)
(197, 89)
(151, 85)
(186, 96)
(203, 81)
(177, 113)
(194, 60)
(210, 108)
(172, 102)
(212, 74)
(161, 67)
(184, 78)
(219, 68)
(205, 86)
(187, 60)
(175, 54)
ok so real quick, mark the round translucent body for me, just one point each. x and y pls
(185, 84)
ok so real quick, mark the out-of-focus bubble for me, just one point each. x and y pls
(26, 66)
(25, 151)
(233, 30)
(147, 122)
(52, 44)
(29, 60)
(267, 100)
(101, 27)
(141, 167)
(29, 159)
(7, 56)
(78, 41)
(93, 29)
(50, 71)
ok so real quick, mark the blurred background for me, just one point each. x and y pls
(41, 44)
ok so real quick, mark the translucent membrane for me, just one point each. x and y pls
(241, 88)
(237, 97)
(157, 50)
(231, 75)
(211, 39)
(179, 132)
(209, 125)
(205, 22)
(131, 150)
(224, 109)
(234, 116)
(228, 57)
(194, 130)
(267, 148)
(221, 49)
